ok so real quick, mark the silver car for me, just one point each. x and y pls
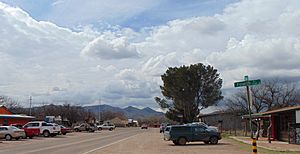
(10, 132)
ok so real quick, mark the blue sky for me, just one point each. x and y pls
(77, 51)
(156, 14)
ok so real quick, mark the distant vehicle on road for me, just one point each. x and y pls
(144, 126)
(10, 132)
(46, 129)
(85, 127)
(107, 126)
(181, 134)
(65, 130)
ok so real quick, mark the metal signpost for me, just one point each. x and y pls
(246, 84)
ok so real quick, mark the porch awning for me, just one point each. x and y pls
(16, 116)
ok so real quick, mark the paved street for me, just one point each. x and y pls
(74, 143)
(120, 141)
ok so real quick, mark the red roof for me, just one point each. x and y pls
(290, 108)
(4, 110)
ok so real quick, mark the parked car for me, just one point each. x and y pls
(46, 129)
(30, 132)
(181, 134)
(162, 127)
(65, 130)
(205, 125)
(85, 127)
(144, 126)
(10, 132)
(56, 127)
(107, 126)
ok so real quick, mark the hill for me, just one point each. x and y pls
(130, 111)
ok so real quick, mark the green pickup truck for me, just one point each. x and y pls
(181, 134)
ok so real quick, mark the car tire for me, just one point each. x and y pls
(175, 142)
(99, 128)
(213, 140)
(181, 141)
(17, 138)
(64, 133)
(76, 130)
(31, 137)
(110, 129)
(8, 137)
(46, 133)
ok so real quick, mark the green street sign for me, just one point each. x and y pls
(247, 83)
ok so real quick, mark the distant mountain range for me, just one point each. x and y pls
(130, 112)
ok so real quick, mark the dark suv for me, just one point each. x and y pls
(180, 134)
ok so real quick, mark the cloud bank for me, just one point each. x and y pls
(123, 66)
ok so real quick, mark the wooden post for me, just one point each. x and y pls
(245, 128)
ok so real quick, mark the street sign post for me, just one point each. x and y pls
(246, 84)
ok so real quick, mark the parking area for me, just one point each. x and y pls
(75, 143)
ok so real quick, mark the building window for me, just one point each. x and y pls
(5, 122)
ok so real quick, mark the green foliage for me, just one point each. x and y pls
(187, 88)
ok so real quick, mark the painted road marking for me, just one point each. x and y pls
(107, 145)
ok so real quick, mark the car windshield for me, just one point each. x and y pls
(14, 128)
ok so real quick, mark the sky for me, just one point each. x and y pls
(113, 52)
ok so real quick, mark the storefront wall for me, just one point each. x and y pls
(281, 124)
(9, 121)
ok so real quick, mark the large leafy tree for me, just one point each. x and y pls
(188, 89)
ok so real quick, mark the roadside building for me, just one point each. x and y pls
(283, 124)
(7, 117)
(224, 120)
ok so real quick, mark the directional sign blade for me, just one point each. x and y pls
(240, 84)
(247, 83)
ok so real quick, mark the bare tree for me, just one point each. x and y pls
(271, 94)
(237, 103)
(12, 104)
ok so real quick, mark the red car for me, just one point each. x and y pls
(64, 130)
(30, 132)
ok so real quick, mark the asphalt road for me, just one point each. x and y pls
(119, 141)
(73, 143)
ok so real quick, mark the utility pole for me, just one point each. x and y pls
(30, 101)
(99, 112)
(249, 108)
(246, 84)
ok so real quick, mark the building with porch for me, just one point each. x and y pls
(281, 123)
(8, 118)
